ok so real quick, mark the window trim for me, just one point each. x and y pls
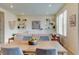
(65, 14)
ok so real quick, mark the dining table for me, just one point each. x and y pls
(31, 49)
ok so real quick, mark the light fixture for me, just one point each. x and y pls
(11, 6)
(50, 5)
(22, 13)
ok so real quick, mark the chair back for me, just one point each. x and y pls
(11, 51)
(27, 38)
(44, 38)
(40, 51)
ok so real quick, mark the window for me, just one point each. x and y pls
(61, 22)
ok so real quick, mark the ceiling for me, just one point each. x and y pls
(32, 8)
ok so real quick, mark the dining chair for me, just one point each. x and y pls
(27, 38)
(44, 38)
(11, 51)
(40, 51)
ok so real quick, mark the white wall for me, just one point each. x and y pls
(8, 17)
(71, 41)
(42, 19)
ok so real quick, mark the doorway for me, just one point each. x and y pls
(1, 27)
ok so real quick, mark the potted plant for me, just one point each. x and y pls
(33, 41)
(13, 35)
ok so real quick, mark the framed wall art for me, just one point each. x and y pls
(12, 24)
(73, 20)
(35, 24)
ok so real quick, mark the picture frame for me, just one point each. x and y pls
(35, 24)
(12, 24)
(73, 20)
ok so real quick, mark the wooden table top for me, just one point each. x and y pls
(40, 44)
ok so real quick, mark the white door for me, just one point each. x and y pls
(1, 27)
